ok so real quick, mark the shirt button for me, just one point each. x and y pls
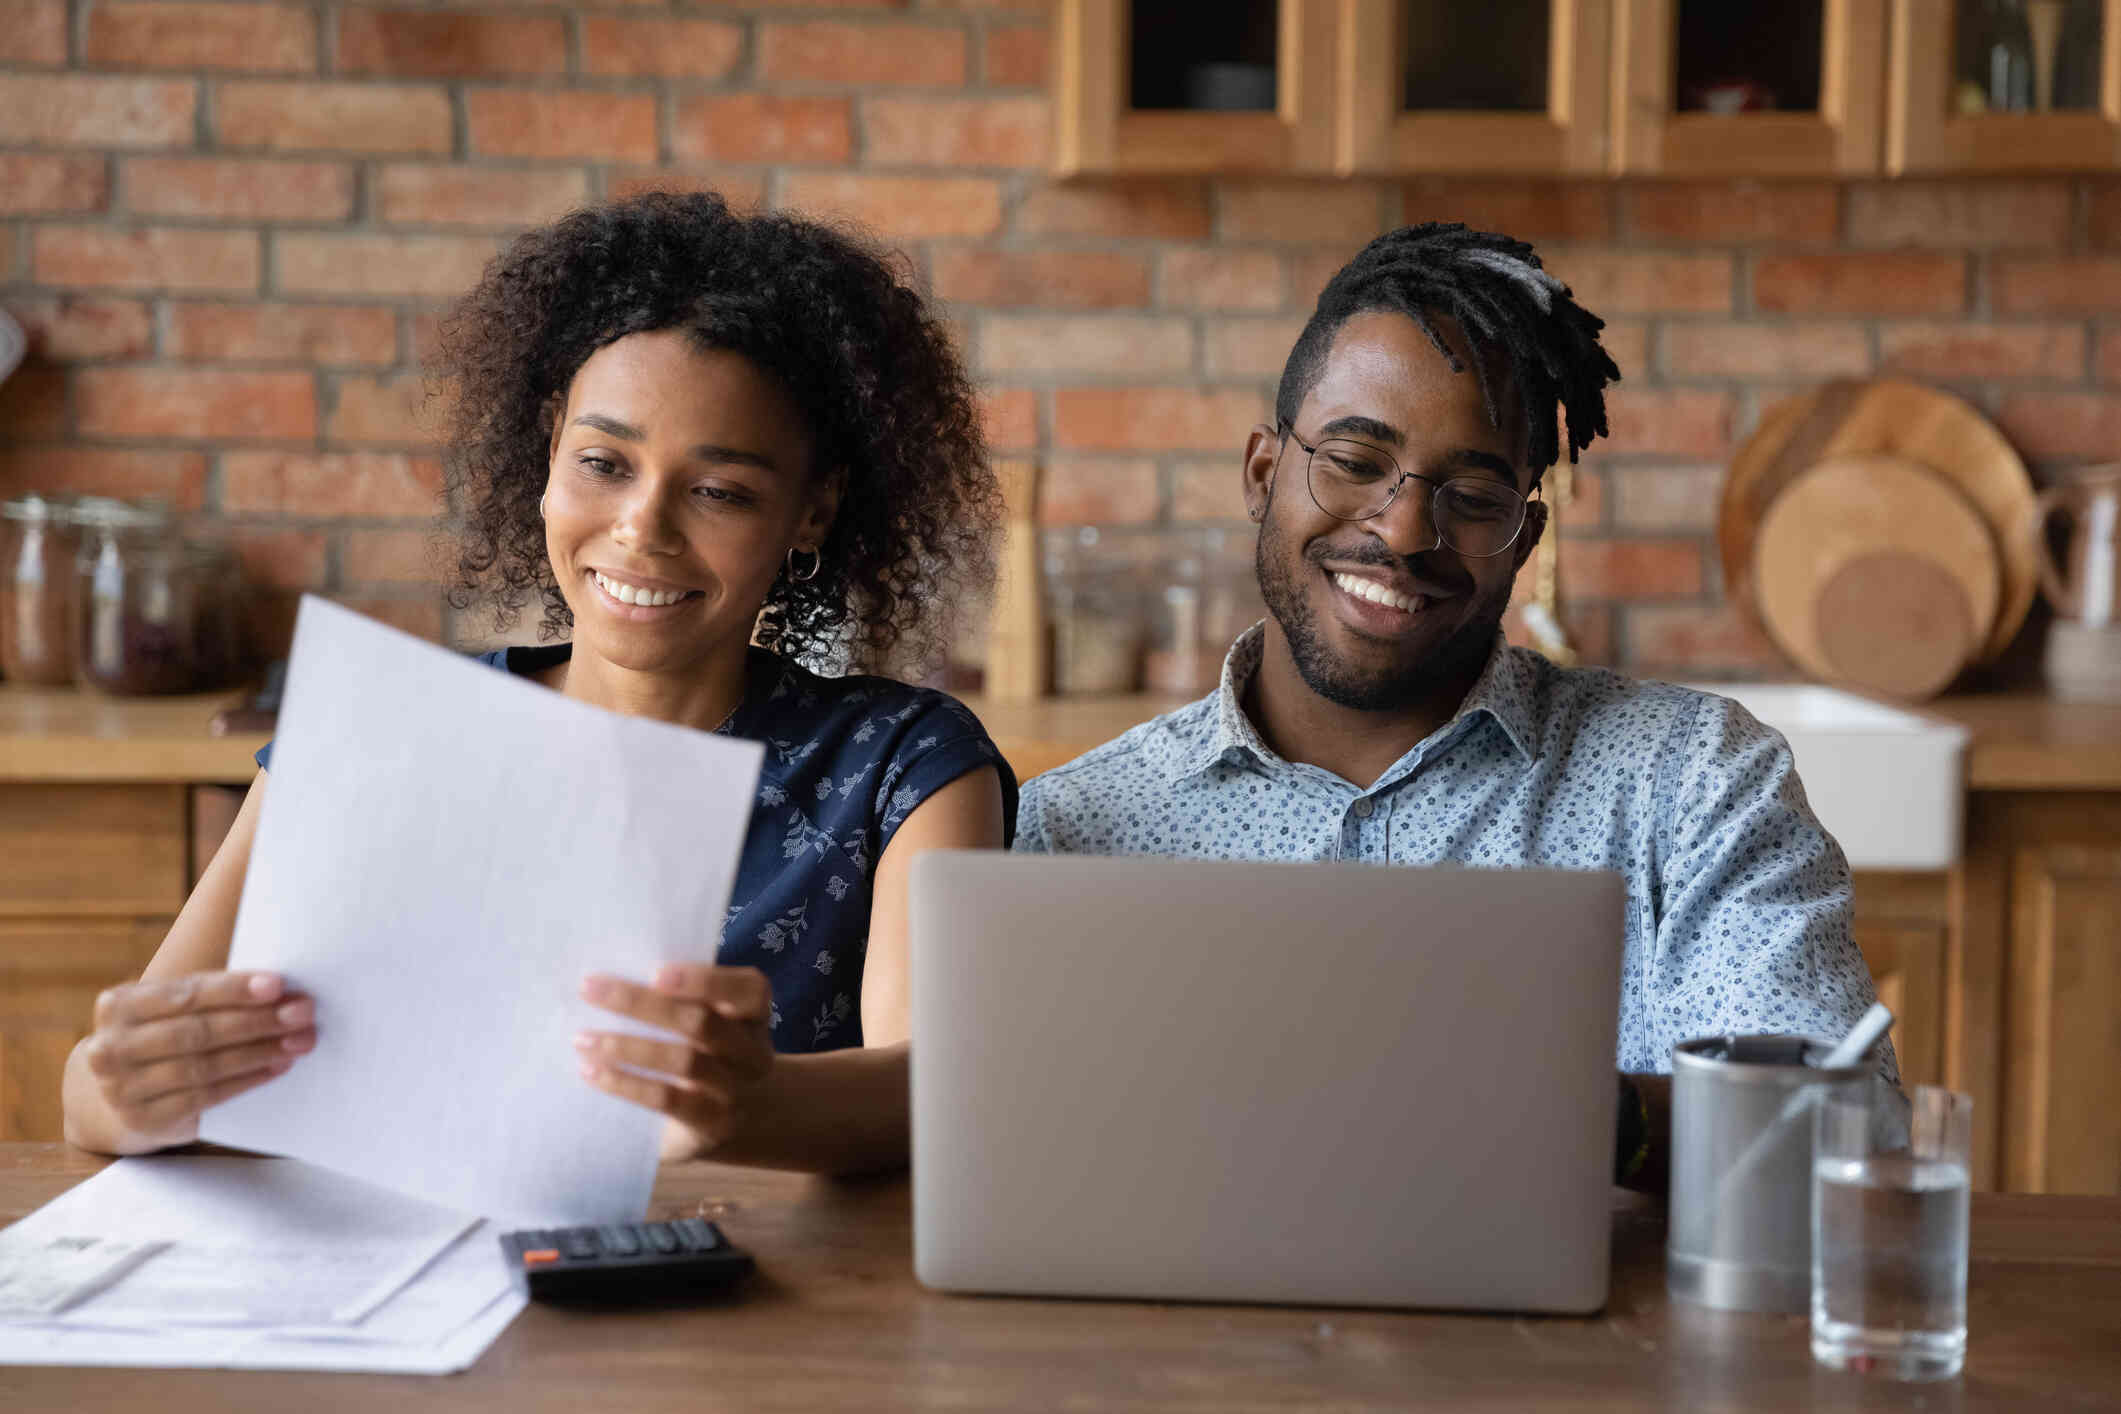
(1363, 808)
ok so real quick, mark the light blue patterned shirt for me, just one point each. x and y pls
(1738, 902)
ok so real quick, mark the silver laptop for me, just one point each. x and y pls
(1315, 1083)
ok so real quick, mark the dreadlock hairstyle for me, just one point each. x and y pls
(1496, 290)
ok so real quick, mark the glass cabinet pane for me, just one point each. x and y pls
(1740, 56)
(2025, 56)
(1490, 56)
(1216, 55)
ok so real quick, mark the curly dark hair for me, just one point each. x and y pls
(833, 318)
(1496, 290)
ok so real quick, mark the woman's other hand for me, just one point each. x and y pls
(709, 1077)
(165, 1051)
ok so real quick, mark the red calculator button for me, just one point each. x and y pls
(541, 1256)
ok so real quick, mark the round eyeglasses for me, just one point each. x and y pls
(1473, 515)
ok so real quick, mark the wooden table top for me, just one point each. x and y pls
(834, 1319)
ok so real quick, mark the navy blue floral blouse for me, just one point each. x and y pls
(847, 760)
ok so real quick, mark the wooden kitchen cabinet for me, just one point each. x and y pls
(1903, 928)
(1949, 57)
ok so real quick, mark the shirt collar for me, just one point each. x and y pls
(1504, 691)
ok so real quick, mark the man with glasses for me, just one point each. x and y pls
(1377, 714)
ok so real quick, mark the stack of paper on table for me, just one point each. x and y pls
(443, 852)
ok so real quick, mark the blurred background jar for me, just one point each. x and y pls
(1095, 591)
(217, 636)
(137, 600)
(37, 546)
(1208, 596)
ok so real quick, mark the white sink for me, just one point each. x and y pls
(1886, 783)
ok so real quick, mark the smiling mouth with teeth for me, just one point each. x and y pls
(1376, 593)
(634, 594)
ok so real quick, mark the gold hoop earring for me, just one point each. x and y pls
(817, 561)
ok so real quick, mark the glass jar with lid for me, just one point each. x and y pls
(1095, 593)
(37, 593)
(1209, 596)
(136, 601)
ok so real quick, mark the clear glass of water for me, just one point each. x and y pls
(1889, 1219)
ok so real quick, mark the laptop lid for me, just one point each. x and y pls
(1313, 1083)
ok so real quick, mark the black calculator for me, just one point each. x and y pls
(626, 1261)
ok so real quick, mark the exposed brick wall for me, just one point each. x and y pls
(231, 225)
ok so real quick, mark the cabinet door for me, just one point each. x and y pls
(50, 972)
(1514, 86)
(1982, 85)
(1205, 86)
(1754, 88)
(1902, 928)
(2062, 1067)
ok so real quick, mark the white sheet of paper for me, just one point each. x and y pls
(443, 852)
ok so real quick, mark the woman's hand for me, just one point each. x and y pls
(708, 1079)
(163, 1052)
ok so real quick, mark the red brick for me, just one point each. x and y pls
(145, 259)
(196, 403)
(78, 111)
(438, 194)
(1951, 350)
(420, 617)
(1684, 639)
(1667, 498)
(327, 334)
(1010, 418)
(1072, 492)
(238, 189)
(1627, 343)
(907, 208)
(33, 32)
(1960, 213)
(424, 44)
(1249, 348)
(2104, 199)
(764, 127)
(1154, 419)
(33, 404)
(35, 183)
(744, 190)
(441, 267)
(957, 132)
(827, 51)
(1017, 56)
(1208, 491)
(1673, 422)
(1723, 212)
(280, 559)
(69, 327)
(1589, 627)
(392, 409)
(177, 479)
(1896, 282)
(683, 49)
(1171, 211)
(1587, 498)
(331, 484)
(1055, 279)
(1737, 350)
(615, 127)
(1528, 210)
(395, 557)
(1219, 278)
(2042, 425)
(2065, 286)
(1309, 271)
(1631, 569)
(1339, 213)
(159, 34)
(333, 117)
(1646, 282)
(2109, 357)
(1118, 345)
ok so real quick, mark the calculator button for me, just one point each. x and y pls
(699, 1234)
(620, 1240)
(660, 1236)
(579, 1243)
(540, 1256)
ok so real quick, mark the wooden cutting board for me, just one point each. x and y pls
(1875, 573)
(1891, 417)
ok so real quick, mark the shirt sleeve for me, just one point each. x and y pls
(935, 745)
(264, 756)
(1031, 820)
(1753, 895)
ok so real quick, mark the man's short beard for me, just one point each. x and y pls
(1456, 662)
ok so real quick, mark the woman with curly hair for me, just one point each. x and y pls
(705, 446)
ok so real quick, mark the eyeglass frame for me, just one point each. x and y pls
(1287, 430)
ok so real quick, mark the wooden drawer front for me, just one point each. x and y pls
(92, 849)
(50, 973)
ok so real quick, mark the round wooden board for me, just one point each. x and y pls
(1849, 510)
(1890, 417)
(1897, 624)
